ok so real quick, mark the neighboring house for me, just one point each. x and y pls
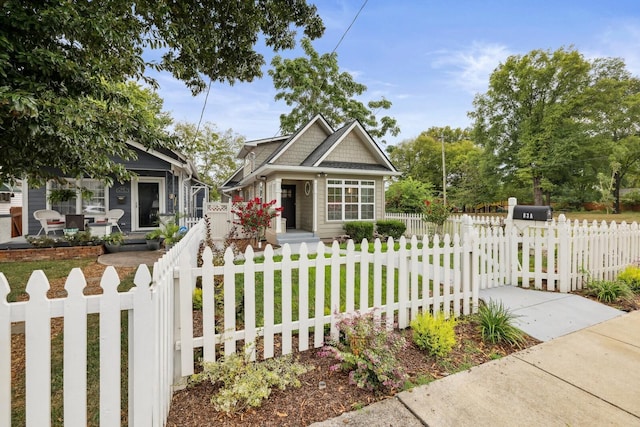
(10, 211)
(166, 182)
(320, 177)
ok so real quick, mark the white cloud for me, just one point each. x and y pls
(469, 69)
(621, 41)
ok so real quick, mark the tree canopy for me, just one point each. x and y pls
(314, 85)
(62, 65)
(560, 122)
(213, 152)
(528, 119)
(407, 195)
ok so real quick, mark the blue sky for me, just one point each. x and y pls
(429, 58)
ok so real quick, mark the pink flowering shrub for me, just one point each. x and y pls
(367, 351)
(255, 216)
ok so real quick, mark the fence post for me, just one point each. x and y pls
(512, 244)
(469, 279)
(564, 255)
(5, 353)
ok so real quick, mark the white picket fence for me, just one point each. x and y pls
(150, 342)
(398, 284)
(417, 226)
(423, 273)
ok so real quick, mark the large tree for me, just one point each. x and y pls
(529, 119)
(314, 85)
(61, 63)
(612, 117)
(421, 158)
(214, 152)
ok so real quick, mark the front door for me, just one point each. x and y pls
(149, 202)
(288, 200)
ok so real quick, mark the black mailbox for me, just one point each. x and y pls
(533, 213)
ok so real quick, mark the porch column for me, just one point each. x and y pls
(315, 206)
(278, 188)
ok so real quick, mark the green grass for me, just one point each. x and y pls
(295, 291)
(18, 274)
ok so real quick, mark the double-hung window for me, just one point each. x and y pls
(88, 196)
(350, 200)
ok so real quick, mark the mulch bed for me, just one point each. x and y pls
(311, 403)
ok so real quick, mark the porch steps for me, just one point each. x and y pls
(297, 236)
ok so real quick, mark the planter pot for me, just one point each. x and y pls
(111, 248)
(153, 245)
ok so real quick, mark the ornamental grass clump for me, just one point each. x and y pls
(244, 384)
(367, 351)
(434, 334)
(609, 291)
(496, 324)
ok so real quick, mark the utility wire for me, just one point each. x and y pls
(350, 25)
(340, 41)
(206, 98)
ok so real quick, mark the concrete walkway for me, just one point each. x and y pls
(586, 374)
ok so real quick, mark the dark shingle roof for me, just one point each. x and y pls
(354, 165)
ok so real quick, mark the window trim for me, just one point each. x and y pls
(78, 183)
(359, 184)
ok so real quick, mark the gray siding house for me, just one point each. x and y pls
(321, 177)
(166, 183)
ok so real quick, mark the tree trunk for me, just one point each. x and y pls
(537, 191)
(617, 182)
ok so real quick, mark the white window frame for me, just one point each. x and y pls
(78, 184)
(344, 185)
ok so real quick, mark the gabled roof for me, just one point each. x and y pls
(319, 157)
(317, 119)
(326, 145)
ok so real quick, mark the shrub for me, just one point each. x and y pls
(436, 212)
(243, 384)
(631, 276)
(197, 299)
(496, 324)
(391, 227)
(255, 216)
(359, 230)
(608, 291)
(434, 333)
(367, 351)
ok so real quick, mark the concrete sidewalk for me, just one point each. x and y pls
(589, 377)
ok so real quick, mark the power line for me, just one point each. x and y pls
(195, 136)
(350, 25)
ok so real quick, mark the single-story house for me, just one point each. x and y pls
(166, 182)
(321, 177)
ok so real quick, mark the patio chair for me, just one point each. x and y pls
(113, 216)
(49, 220)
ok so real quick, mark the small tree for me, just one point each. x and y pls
(436, 212)
(255, 216)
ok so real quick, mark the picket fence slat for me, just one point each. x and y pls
(318, 331)
(287, 304)
(249, 302)
(269, 308)
(5, 353)
(110, 349)
(75, 350)
(303, 300)
(38, 351)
